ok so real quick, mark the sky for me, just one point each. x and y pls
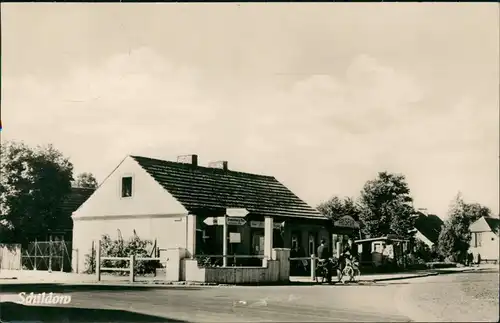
(323, 96)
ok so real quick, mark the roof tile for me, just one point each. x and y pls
(197, 187)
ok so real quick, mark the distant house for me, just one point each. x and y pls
(428, 227)
(63, 229)
(178, 204)
(485, 238)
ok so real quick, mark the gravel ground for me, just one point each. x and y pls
(467, 297)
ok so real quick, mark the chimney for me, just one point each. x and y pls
(221, 164)
(188, 159)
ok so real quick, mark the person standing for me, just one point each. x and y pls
(324, 256)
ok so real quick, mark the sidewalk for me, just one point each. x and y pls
(33, 277)
(407, 275)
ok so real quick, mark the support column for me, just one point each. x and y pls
(191, 235)
(224, 242)
(268, 238)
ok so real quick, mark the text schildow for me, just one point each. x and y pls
(44, 298)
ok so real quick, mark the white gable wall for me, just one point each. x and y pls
(480, 226)
(424, 239)
(151, 211)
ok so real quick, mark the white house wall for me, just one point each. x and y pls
(489, 249)
(151, 211)
(424, 239)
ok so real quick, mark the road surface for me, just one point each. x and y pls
(454, 297)
(464, 297)
(210, 304)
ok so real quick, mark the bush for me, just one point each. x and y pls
(120, 248)
(423, 252)
(90, 263)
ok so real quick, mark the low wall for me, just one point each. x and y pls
(276, 270)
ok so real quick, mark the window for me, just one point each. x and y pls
(477, 239)
(126, 186)
(311, 245)
(258, 244)
(295, 243)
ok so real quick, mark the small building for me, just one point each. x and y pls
(383, 252)
(178, 204)
(484, 244)
(428, 227)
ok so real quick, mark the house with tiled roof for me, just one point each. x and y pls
(178, 203)
(428, 227)
(63, 229)
(485, 238)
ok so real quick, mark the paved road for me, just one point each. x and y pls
(465, 297)
(454, 297)
(212, 304)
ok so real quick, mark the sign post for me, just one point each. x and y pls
(231, 217)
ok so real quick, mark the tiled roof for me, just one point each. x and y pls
(493, 223)
(429, 226)
(198, 188)
(72, 202)
(76, 198)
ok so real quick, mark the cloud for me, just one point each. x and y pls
(322, 135)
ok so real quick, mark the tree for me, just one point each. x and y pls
(475, 211)
(455, 237)
(336, 207)
(386, 206)
(86, 180)
(33, 184)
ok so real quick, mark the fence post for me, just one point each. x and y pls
(36, 245)
(98, 260)
(63, 246)
(77, 256)
(132, 263)
(313, 267)
(50, 254)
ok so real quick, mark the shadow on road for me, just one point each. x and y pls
(61, 288)
(13, 312)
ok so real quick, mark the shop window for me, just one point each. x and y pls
(295, 243)
(258, 244)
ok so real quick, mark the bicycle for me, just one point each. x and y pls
(322, 269)
(351, 271)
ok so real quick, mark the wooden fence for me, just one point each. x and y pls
(130, 268)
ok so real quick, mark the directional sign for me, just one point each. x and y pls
(236, 221)
(237, 213)
(211, 221)
(220, 221)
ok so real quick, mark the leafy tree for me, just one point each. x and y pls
(336, 207)
(475, 211)
(386, 206)
(33, 184)
(455, 236)
(86, 180)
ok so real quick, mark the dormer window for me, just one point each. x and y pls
(127, 186)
